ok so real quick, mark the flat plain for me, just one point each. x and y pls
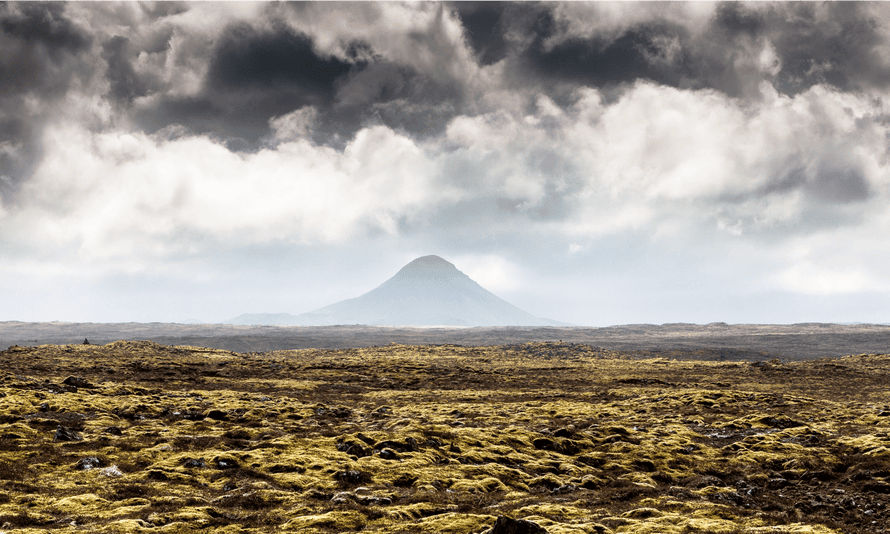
(133, 436)
(733, 341)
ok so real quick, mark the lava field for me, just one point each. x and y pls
(531, 437)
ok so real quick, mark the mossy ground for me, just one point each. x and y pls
(439, 439)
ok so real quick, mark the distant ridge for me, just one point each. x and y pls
(429, 291)
(263, 319)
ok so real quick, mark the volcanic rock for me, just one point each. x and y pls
(85, 464)
(77, 382)
(217, 415)
(65, 434)
(194, 463)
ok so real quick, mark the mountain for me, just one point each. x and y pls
(429, 291)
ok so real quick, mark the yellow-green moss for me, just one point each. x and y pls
(339, 521)
(454, 523)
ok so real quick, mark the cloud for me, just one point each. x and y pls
(40, 48)
(808, 279)
(659, 154)
(119, 195)
(122, 77)
(253, 73)
(495, 273)
(484, 24)
(226, 69)
(43, 57)
(294, 125)
(674, 164)
(731, 47)
(248, 58)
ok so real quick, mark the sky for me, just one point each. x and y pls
(593, 163)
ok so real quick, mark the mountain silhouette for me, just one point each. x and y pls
(429, 291)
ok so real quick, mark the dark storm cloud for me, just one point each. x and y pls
(19, 148)
(248, 58)
(44, 24)
(39, 44)
(158, 10)
(835, 180)
(256, 69)
(256, 73)
(840, 47)
(41, 55)
(840, 183)
(196, 113)
(782, 183)
(394, 95)
(122, 78)
(839, 44)
(20, 154)
(592, 60)
(734, 18)
(484, 29)
(253, 75)
(813, 43)
(599, 62)
(657, 50)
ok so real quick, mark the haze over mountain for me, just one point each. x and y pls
(429, 291)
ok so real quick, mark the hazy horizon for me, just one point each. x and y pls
(591, 163)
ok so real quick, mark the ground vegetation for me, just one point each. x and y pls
(560, 437)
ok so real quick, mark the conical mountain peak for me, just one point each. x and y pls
(429, 267)
(430, 262)
(428, 291)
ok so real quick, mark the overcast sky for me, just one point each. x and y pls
(594, 163)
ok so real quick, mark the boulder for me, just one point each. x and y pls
(66, 434)
(78, 382)
(194, 463)
(85, 464)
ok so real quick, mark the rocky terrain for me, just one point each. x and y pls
(521, 437)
